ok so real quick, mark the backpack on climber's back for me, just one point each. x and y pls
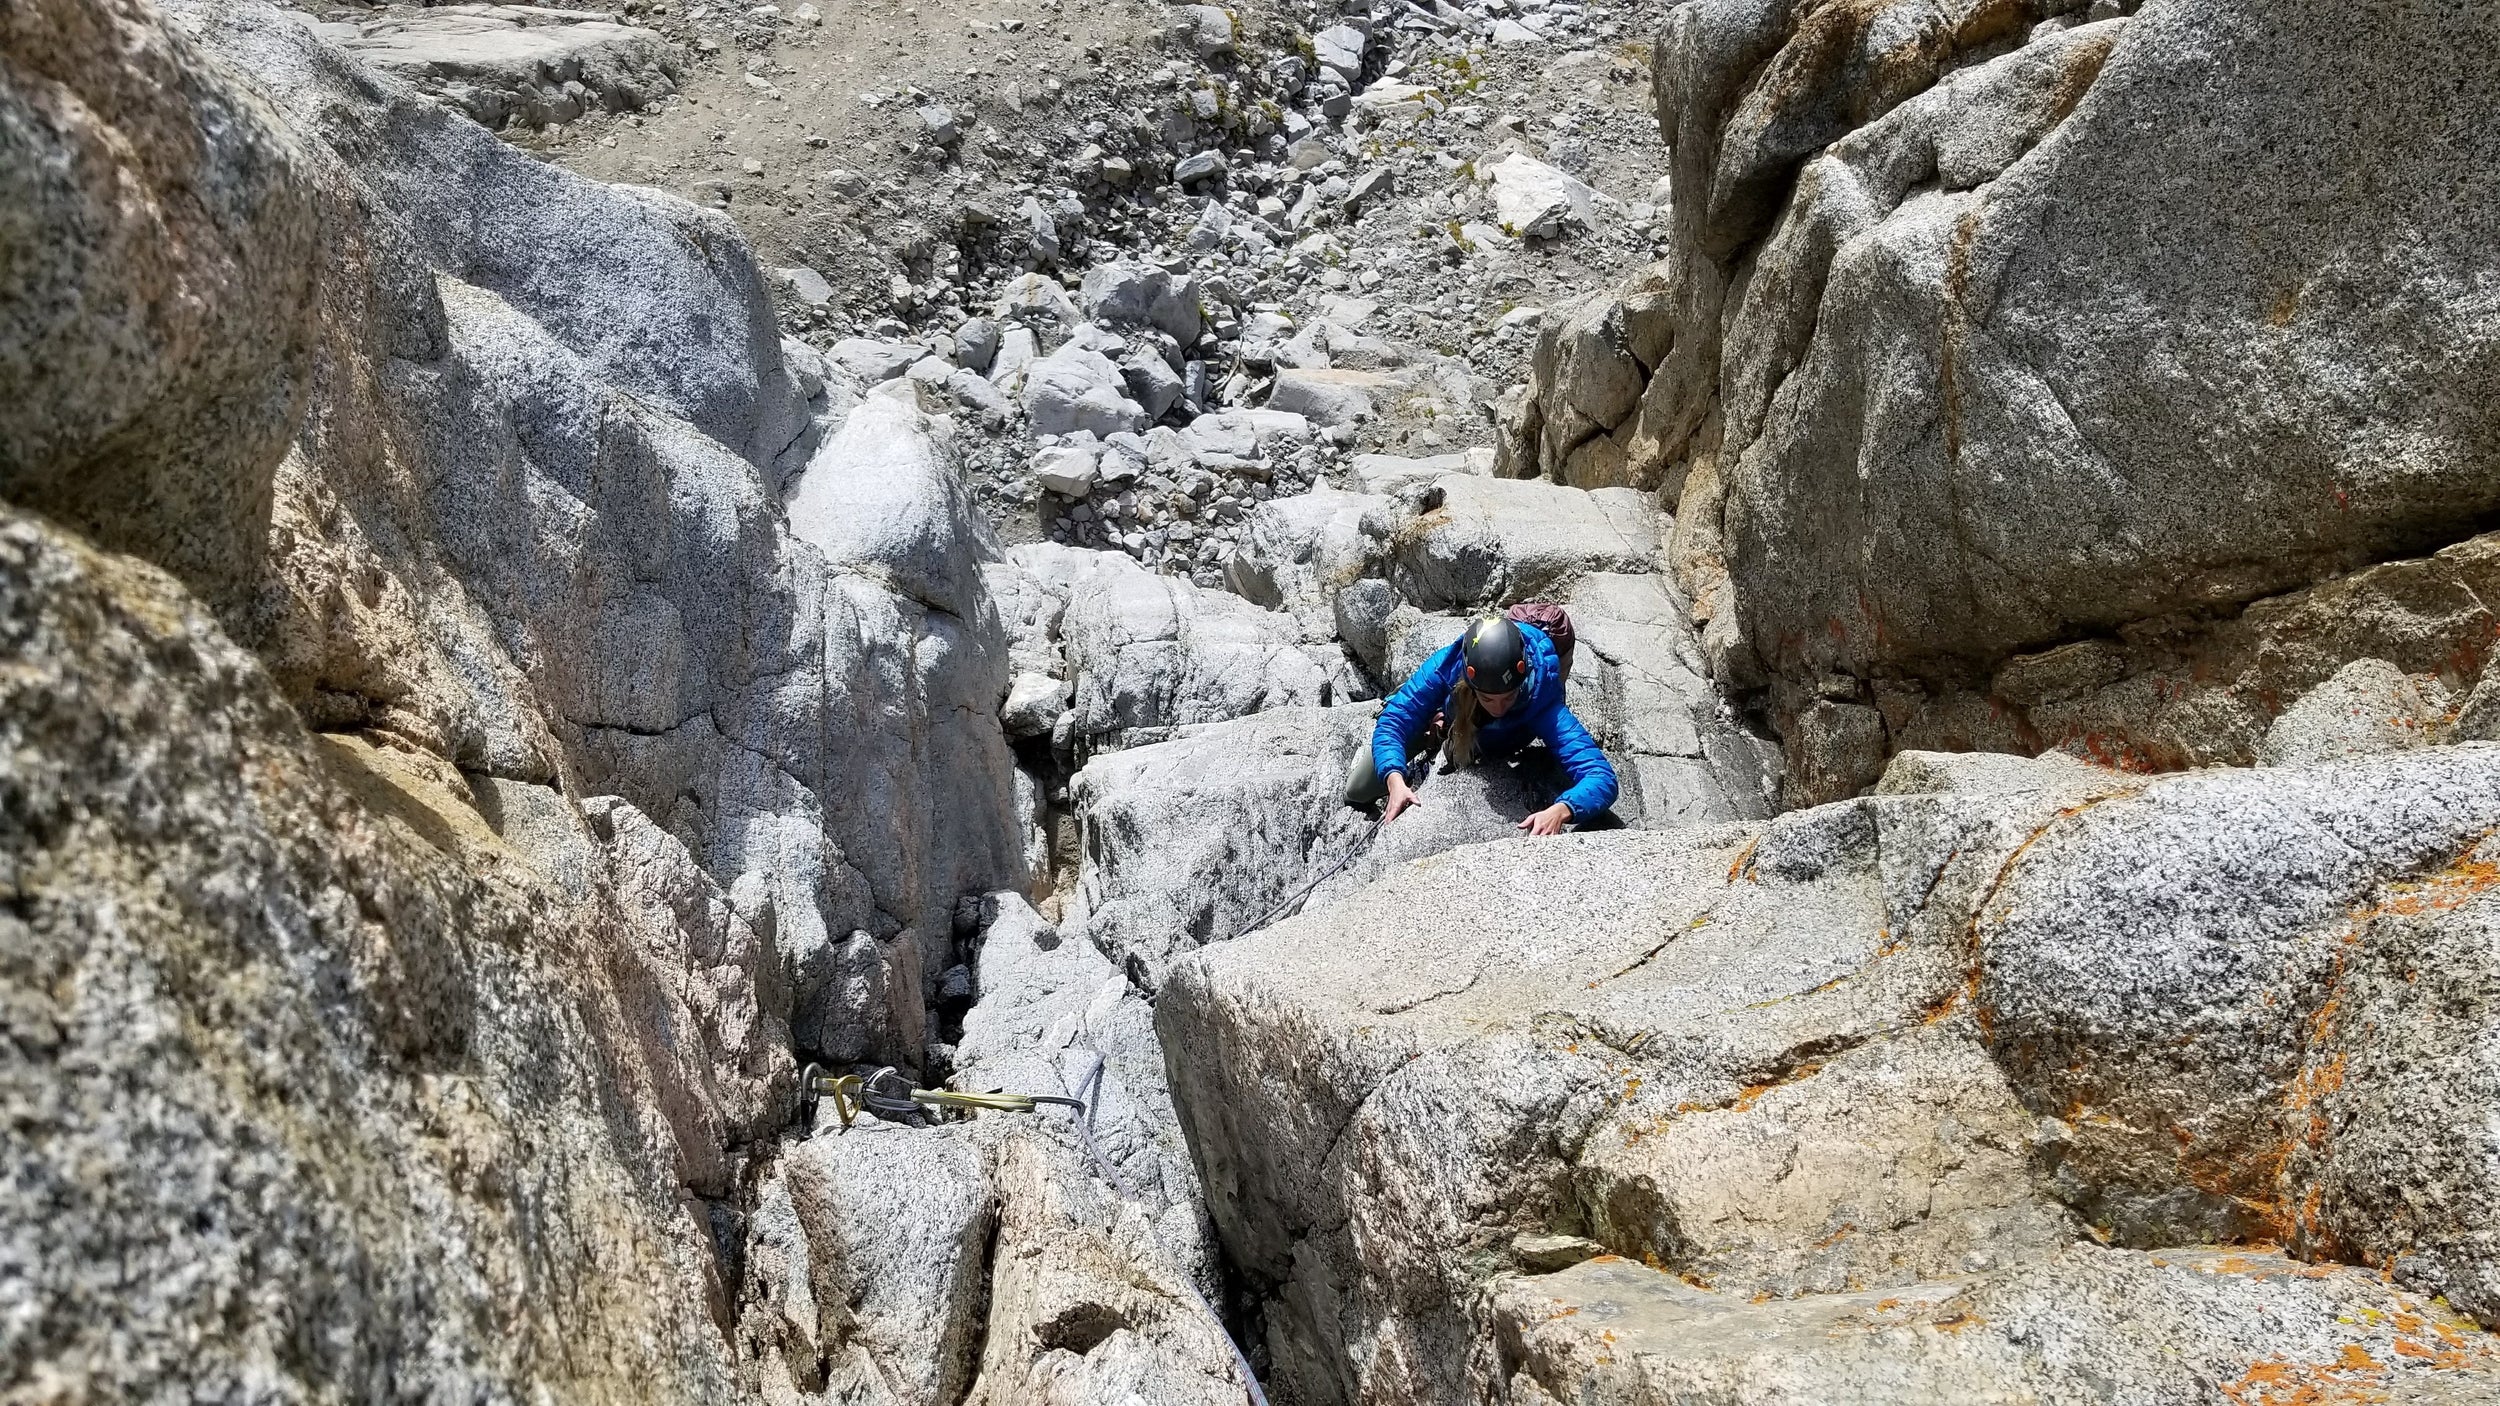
(1552, 620)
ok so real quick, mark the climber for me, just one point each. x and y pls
(1496, 689)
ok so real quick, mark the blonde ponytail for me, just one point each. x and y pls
(1463, 715)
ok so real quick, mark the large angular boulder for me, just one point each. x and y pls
(2396, 1169)
(1084, 1305)
(2369, 706)
(1296, 553)
(1147, 654)
(1585, 378)
(1103, 1263)
(1079, 388)
(1130, 295)
(1532, 200)
(2163, 974)
(1191, 840)
(1904, 1159)
(508, 63)
(1638, 684)
(1451, 1059)
(1480, 542)
(1049, 1008)
(1902, 1044)
(2090, 1325)
(866, 1254)
(886, 496)
(1961, 407)
(1333, 399)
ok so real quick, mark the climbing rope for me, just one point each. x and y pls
(1293, 901)
(1111, 1173)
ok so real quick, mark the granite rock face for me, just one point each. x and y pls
(479, 708)
(617, 789)
(866, 1252)
(1086, 1303)
(2027, 413)
(1936, 384)
(294, 1023)
(1188, 841)
(2132, 933)
(2369, 706)
(1104, 1265)
(2251, 1323)
(1639, 683)
(545, 438)
(1902, 1049)
(157, 317)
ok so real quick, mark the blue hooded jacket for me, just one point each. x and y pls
(1538, 713)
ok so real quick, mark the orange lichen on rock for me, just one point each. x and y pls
(1742, 867)
(2314, 1082)
(2451, 887)
(2278, 1383)
(2315, 1237)
(2452, 1359)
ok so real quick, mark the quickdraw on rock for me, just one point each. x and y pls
(888, 1094)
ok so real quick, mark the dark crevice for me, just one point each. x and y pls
(1080, 1328)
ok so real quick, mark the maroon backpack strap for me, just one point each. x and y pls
(1553, 620)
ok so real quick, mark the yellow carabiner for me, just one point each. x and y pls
(815, 1083)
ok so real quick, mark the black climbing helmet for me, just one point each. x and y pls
(1497, 655)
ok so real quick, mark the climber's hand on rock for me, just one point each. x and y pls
(1401, 796)
(1548, 821)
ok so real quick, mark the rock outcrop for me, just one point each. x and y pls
(157, 320)
(1614, 1333)
(1906, 1044)
(1491, 542)
(529, 525)
(468, 1015)
(1190, 841)
(1059, 1256)
(1936, 381)
(321, 1075)
(517, 63)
